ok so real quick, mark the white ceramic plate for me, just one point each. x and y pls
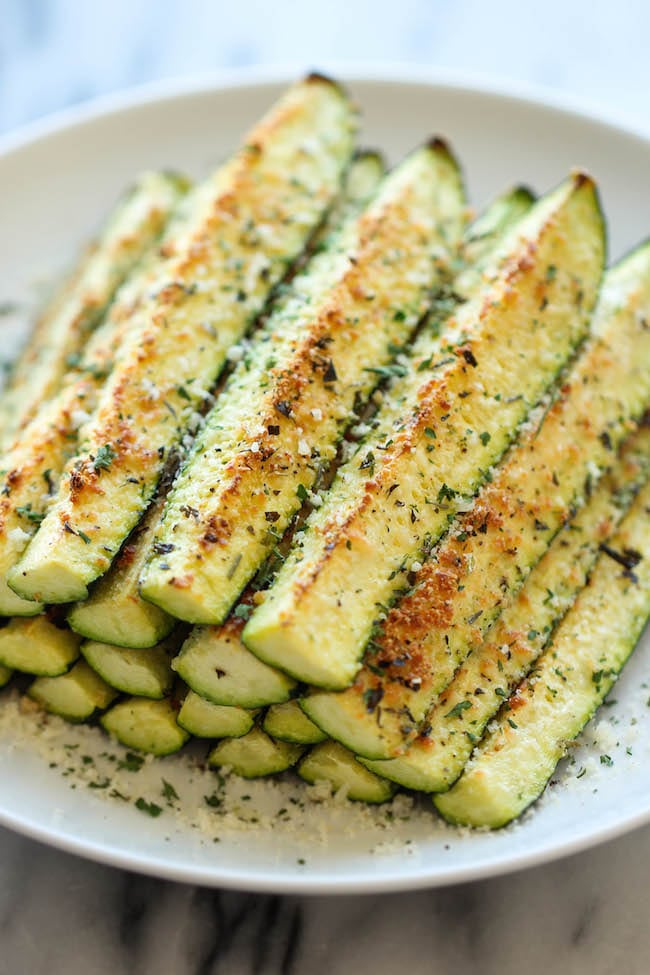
(55, 182)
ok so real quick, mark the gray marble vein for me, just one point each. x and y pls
(60, 915)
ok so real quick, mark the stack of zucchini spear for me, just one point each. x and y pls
(301, 461)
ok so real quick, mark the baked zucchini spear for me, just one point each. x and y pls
(32, 466)
(115, 611)
(76, 696)
(254, 755)
(512, 764)
(213, 660)
(285, 408)
(38, 646)
(435, 759)
(248, 222)
(458, 593)
(146, 725)
(63, 329)
(461, 405)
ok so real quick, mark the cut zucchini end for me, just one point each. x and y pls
(479, 802)
(409, 774)
(5, 675)
(331, 762)
(142, 673)
(75, 696)
(206, 720)
(255, 755)
(182, 604)
(11, 604)
(278, 646)
(347, 725)
(288, 722)
(223, 671)
(36, 646)
(48, 581)
(138, 627)
(146, 726)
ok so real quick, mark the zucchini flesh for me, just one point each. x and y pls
(132, 228)
(435, 759)
(31, 468)
(394, 498)
(214, 662)
(212, 652)
(145, 725)
(38, 646)
(548, 472)
(75, 696)
(288, 722)
(246, 224)
(331, 762)
(141, 673)
(114, 612)
(254, 755)
(518, 755)
(284, 409)
(205, 720)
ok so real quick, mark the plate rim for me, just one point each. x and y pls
(393, 73)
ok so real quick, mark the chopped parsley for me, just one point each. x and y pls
(104, 458)
(150, 808)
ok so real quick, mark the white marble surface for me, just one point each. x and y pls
(59, 914)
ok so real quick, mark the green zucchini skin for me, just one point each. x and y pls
(313, 624)
(214, 661)
(547, 473)
(288, 722)
(245, 226)
(332, 763)
(436, 758)
(254, 755)
(145, 725)
(76, 696)
(5, 675)
(205, 720)
(38, 646)
(141, 673)
(514, 761)
(63, 329)
(285, 407)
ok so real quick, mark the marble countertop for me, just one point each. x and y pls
(60, 914)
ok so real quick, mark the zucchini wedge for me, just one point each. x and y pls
(145, 725)
(5, 675)
(512, 764)
(214, 662)
(205, 720)
(288, 722)
(284, 409)
(76, 696)
(254, 755)
(213, 658)
(38, 646)
(32, 466)
(331, 762)
(141, 673)
(247, 223)
(134, 226)
(546, 474)
(115, 611)
(436, 758)
(461, 406)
